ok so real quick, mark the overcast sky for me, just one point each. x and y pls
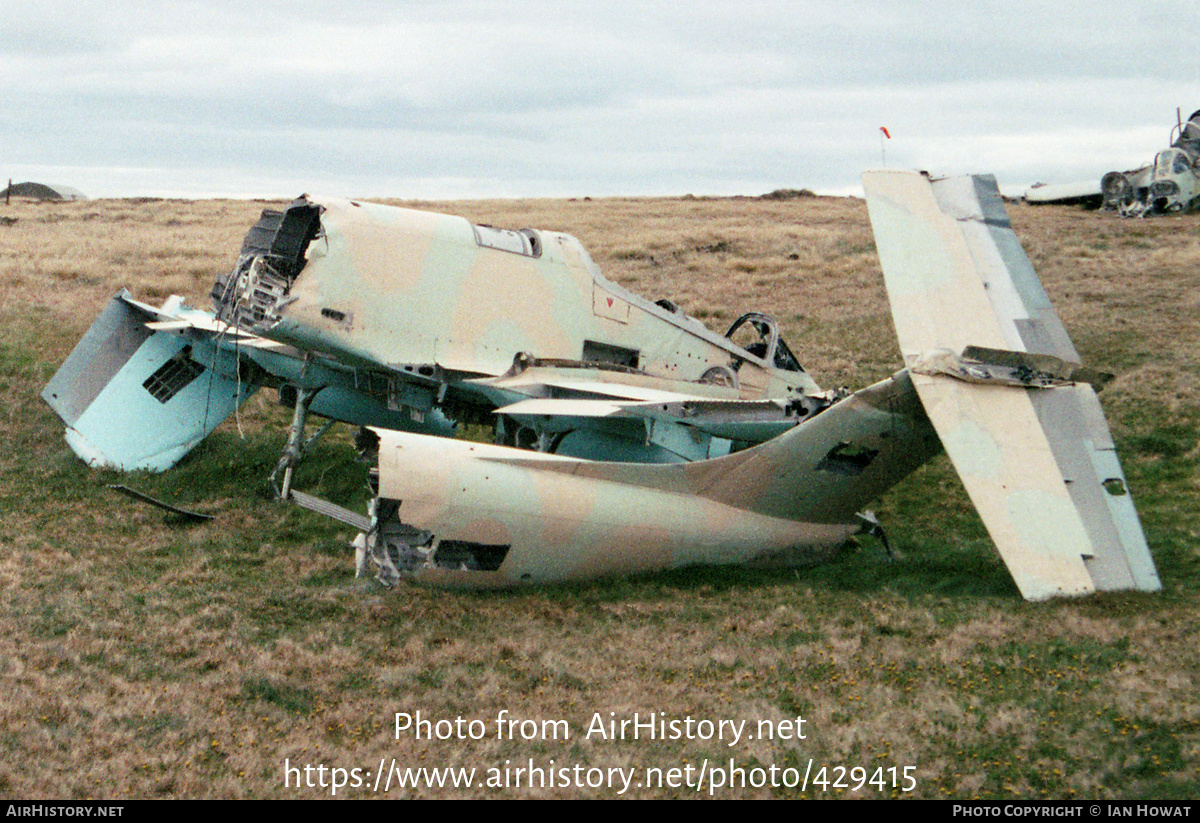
(433, 99)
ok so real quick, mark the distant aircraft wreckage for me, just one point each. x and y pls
(1171, 183)
(628, 436)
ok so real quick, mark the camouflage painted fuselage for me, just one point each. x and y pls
(419, 293)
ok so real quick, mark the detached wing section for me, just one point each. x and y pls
(138, 393)
(995, 370)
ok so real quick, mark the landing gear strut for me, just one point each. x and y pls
(296, 446)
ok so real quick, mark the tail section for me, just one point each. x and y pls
(456, 513)
(977, 331)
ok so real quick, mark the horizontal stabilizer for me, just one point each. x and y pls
(1038, 463)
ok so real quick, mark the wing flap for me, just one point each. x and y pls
(555, 407)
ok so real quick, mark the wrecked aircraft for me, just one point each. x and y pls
(1169, 184)
(628, 436)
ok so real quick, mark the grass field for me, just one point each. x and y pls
(144, 657)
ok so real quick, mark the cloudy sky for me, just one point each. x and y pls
(439, 98)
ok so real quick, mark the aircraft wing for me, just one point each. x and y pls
(977, 330)
(146, 384)
(138, 392)
(1086, 192)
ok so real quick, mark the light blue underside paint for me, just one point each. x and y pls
(127, 428)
